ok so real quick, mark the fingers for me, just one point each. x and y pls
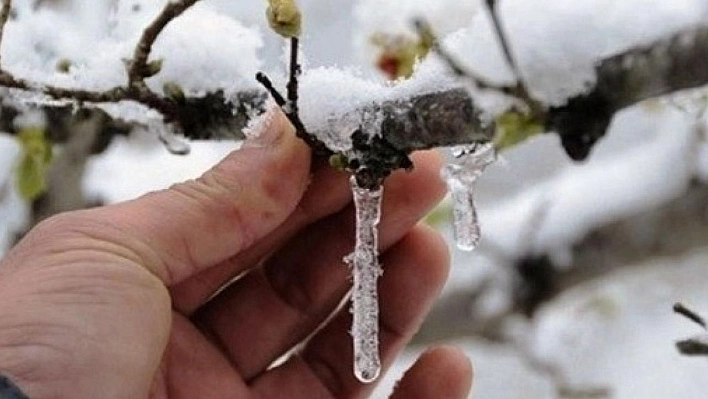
(303, 283)
(178, 232)
(442, 372)
(327, 194)
(191, 364)
(417, 269)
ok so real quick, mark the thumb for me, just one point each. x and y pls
(180, 231)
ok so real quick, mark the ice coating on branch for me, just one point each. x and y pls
(365, 272)
(460, 177)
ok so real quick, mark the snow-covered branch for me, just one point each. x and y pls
(666, 66)
(663, 67)
(174, 110)
(442, 118)
(139, 68)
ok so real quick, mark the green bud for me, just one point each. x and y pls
(514, 127)
(34, 164)
(64, 65)
(174, 91)
(284, 17)
(339, 162)
(152, 68)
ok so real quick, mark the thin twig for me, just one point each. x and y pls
(4, 17)
(167, 108)
(295, 70)
(423, 28)
(264, 80)
(289, 105)
(520, 90)
(138, 65)
(136, 89)
(294, 118)
(689, 314)
(491, 4)
(517, 91)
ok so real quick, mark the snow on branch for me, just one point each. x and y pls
(666, 66)
(442, 118)
(175, 109)
(425, 120)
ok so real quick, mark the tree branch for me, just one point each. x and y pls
(427, 120)
(696, 346)
(135, 90)
(138, 66)
(424, 29)
(665, 66)
(534, 280)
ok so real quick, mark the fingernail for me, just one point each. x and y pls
(267, 129)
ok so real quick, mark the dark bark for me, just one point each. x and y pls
(665, 66)
(693, 346)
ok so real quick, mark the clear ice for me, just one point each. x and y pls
(365, 272)
(460, 177)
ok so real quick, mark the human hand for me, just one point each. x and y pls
(125, 301)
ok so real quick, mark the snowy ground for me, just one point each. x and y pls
(616, 332)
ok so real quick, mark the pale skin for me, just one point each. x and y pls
(122, 301)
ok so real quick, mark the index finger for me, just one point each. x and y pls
(178, 232)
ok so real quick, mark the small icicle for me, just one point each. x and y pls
(461, 177)
(173, 143)
(365, 272)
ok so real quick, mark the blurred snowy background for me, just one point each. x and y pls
(571, 289)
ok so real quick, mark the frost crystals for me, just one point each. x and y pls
(461, 177)
(365, 271)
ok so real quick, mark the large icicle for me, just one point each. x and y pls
(365, 272)
(461, 177)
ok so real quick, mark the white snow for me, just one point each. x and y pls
(557, 43)
(655, 169)
(330, 102)
(334, 102)
(202, 50)
(112, 176)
